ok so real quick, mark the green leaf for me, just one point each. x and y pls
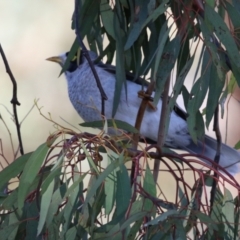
(30, 172)
(110, 188)
(7, 230)
(177, 89)
(107, 17)
(75, 185)
(234, 14)
(133, 218)
(161, 218)
(216, 211)
(228, 214)
(13, 169)
(120, 68)
(143, 20)
(92, 191)
(71, 54)
(117, 124)
(205, 219)
(149, 186)
(138, 24)
(223, 33)
(32, 223)
(71, 233)
(123, 191)
(215, 89)
(54, 173)
(157, 12)
(88, 12)
(163, 37)
(217, 56)
(13, 220)
(180, 233)
(189, 215)
(134, 229)
(231, 85)
(45, 203)
(89, 157)
(198, 94)
(167, 63)
(71, 207)
(237, 145)
(57, 199)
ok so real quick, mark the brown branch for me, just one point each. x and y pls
(162, 126)
(14, 100)
(138, 123)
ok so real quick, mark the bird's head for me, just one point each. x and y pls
(71, 64)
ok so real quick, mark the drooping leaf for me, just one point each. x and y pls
(228, 214)
(107, 17)
(215, 89)
(13, 169)
(149, 186)
(30, 172)
(223, 33)
(167, 63)
(45, 203)
(123, 190)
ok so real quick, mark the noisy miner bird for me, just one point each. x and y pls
(86, 99)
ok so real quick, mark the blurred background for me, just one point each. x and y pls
(30, 32)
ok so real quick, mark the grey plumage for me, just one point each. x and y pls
(86, 99)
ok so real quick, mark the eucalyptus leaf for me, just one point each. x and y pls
(45, 203)
(149, 186)
(13, 169)
(223, 33)
(107, 17)
(30, 172)
(123, 190)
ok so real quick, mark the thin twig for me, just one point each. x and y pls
(141, 112)
(162, 126)
(138, 123)
(14, 100)
(86, 55)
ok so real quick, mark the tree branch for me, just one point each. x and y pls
(14, 100)
(162, 126)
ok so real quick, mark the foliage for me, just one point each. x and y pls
(65, 190)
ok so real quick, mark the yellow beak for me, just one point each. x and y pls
(55, 59)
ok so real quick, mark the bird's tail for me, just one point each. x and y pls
(229, 159)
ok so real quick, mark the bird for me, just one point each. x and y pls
(86, 99)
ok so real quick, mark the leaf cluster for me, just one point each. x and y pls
(155, 39)
(63, 190)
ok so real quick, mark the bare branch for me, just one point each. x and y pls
(14, 100)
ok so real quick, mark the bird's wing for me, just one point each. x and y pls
(140, 81)
(129, 76)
